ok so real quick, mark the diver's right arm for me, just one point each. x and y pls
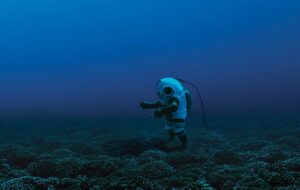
(149, 105)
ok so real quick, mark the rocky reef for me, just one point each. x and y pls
(129, 154)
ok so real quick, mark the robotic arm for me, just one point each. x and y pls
(150, 105)
(171, 107)
(161, 111)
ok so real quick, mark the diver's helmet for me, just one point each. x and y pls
(167, 88)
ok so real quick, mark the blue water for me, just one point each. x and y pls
(73, 74)
(104, 57)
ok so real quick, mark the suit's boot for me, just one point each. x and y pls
(170, 140)
(184, 140)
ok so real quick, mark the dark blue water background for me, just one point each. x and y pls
(104, 57)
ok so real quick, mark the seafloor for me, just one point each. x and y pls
(128, 153)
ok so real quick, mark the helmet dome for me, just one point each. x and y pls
(167, 87)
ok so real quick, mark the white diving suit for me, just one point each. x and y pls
(174, 104)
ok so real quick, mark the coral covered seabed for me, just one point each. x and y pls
(129, 153)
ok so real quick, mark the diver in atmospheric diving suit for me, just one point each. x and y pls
(174, 104)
